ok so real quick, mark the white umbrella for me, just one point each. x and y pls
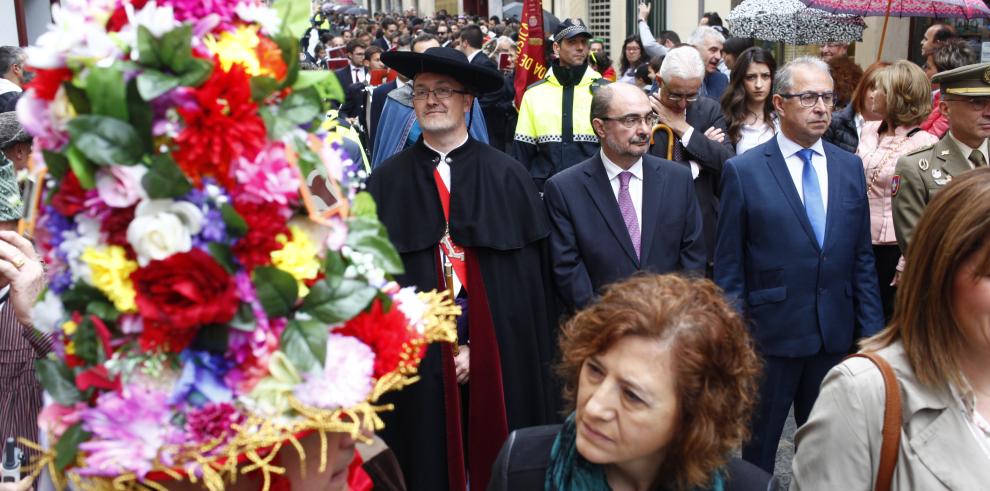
(793, 22)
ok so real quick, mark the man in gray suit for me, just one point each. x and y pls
(698, 129)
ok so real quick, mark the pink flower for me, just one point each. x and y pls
(347, 375)
(39, 118)
(120, 186)
(197, 10)
(128, 433)
(269, 178)
(213, 422)
(55, 418)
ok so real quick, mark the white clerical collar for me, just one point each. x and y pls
(612, 170)
(443, 155)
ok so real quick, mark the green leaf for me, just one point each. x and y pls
(68, 445)
(147, 48)
(58, 381)
(58, 164)
(290, 55)
(78, 98)
(236, 226)
(333, 269)
(196, 72)
(80, 296)
(164, 179)
(106, 140)
(82, 167)
(175, 48)
(381, 250)
(140, 116)
(103, 310)
(301, 107)
(107, 92)
(87, 344)
(152, 83)
(333, 305)
(277, 290)
(305, 344)
(244, 320)
(326, 86)
(364, 206)
(310, 78)
(222, 254)
(262, 87)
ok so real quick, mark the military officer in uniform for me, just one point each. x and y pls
(920, 174)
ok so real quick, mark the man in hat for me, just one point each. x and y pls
(450, 199)
(965, 102)
(15, 143)
(397, 127)
(553, 131)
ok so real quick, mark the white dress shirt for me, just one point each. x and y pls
(357, 74)
(695, 166)
(635, 184)
(471, 56)
(795, 165)
(444, 169)
(967, 150)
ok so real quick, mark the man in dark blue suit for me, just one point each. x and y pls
(793, 250)
(621, 211)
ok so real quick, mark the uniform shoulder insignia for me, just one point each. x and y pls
(895, 185)
(538, 82)
(598, 83)
(920, 150)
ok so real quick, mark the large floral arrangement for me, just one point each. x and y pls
(219, 284)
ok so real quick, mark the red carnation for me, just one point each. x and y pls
(114, 227)
(385, 332)
(46, 81)
(224, 125)
(185, 291)
(265, 222)
(119, 18)
(157, 336)
(71, 197)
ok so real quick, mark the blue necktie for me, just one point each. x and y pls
(813, 203)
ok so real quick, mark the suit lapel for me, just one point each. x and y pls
(834, 195)
(954, 162)
(596, 181)
(653, 185)
(775, 160)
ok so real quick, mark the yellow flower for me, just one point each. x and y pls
(112, 275)
(69, 328)
(239, 46)
(70, 349)
(297, 257)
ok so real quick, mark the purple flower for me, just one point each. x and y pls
(54, 223)
(60, 282)
(128, 432)
(213, 227)
(201, 380)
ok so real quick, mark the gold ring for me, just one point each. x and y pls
(19, 263)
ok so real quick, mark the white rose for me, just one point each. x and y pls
(48, 313)
(163, 227)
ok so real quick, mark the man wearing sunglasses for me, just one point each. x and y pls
(621, 211)
(698, 128)
(965, 102)
(794, 252)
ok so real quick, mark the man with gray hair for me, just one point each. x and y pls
(794, 252)
(13, 75)
(697, 126)
(709, 43)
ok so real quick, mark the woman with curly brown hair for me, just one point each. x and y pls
(662, 376)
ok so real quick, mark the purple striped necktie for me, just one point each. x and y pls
(627, 209)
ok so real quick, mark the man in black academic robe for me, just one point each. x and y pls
(497, 218)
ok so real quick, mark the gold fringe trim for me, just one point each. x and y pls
(215, 470)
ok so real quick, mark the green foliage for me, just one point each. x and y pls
(277, 290)
(164, 179)
(305, 344)
(332, 305)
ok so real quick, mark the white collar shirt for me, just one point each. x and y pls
(357, 74)
(635, 184)
(795, 165)
(443, 168)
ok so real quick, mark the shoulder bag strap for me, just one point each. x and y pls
(891, 421)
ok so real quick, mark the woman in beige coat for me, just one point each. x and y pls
(938, 344)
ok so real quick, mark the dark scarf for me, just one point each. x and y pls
(569, 76)
(568, 470)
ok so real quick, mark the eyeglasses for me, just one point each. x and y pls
(439, 93)
(634, 121)
(977, 103)
(682, 97)
(809, 99)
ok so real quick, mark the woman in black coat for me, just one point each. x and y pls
(662, 375)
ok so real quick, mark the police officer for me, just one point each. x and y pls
(920, 174)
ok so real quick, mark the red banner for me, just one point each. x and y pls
(530, 64)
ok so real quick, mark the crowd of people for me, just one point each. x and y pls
(658, 258)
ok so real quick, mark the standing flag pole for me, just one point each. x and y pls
(531, 66)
